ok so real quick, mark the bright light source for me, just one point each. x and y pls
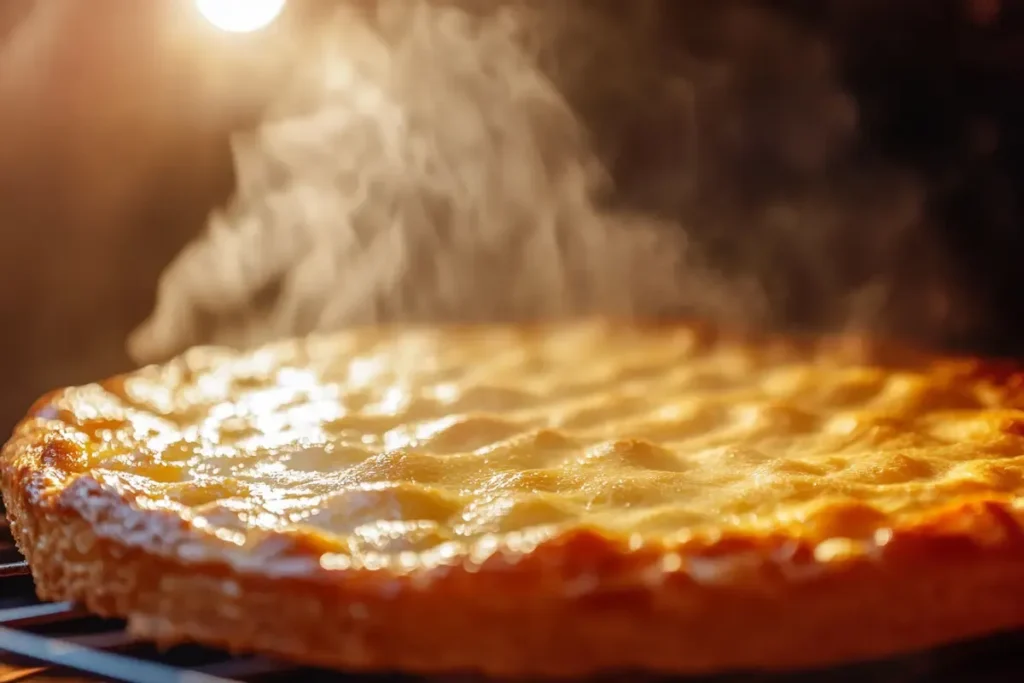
(240, 16)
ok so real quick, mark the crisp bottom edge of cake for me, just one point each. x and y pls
(934, 586)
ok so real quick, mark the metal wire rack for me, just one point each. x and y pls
(49, 642)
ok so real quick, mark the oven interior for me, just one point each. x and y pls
(945, 103)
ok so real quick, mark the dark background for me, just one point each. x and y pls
(113, 149)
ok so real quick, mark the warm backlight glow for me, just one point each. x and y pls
(240, 16)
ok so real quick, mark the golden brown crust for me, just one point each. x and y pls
(930, 550)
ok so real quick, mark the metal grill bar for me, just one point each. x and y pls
(21, 617)
(13, 569)
(113, 667)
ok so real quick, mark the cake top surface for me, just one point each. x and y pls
(410, 447)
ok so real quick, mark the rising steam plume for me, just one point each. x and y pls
(523, 159)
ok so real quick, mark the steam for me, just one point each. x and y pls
(523, 159)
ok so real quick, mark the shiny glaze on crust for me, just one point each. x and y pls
(625, 453)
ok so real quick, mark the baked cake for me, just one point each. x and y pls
(548, 501)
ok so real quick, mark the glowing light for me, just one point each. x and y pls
(240, 16)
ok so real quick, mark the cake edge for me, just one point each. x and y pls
(580, 603)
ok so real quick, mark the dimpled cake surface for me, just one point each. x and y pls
(554, 500)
